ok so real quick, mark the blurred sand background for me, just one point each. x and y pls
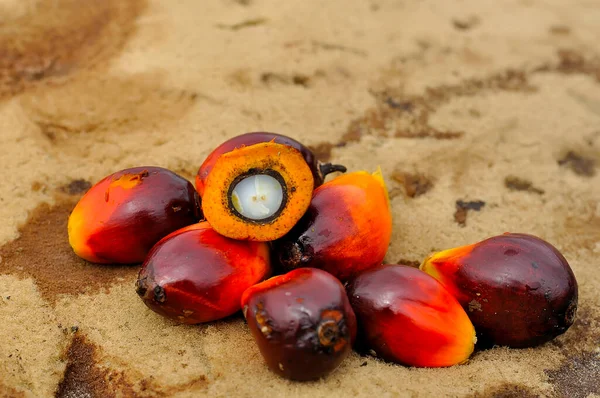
(484, 115)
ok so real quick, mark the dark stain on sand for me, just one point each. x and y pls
(322, 150)
(82, 377)
(76, 187)
(408, 116)
(577, 376)
(409, 263)
(521, 184)
(507, 390)
(414, 184)
(571, 61)
(97, 103)
(579, 164)
(57, 38)
(463, 208)
(42, 252)
(56, 58)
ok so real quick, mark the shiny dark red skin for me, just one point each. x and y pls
(161, 203)
(408, 317)
(255, 138)
(292, 312)
(195, 275)
(518, 290)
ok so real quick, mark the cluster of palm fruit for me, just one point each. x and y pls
(261, 207)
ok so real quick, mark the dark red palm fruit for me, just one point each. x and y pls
(346, 229)
(195, 275)
(318, 169)
(408, 317)
(122, 216)
(302, 322)
(518, 290)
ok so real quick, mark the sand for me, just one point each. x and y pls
(484, 116)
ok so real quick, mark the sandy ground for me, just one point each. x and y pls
(457, 101)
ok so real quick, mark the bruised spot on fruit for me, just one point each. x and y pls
(129, 180)
(301, 339)
(346, 229)
(570, 313)
(258, 192)
(330, 330)
(474, 305)
(126, 181)
(159, 294)
(141, 288)
(261, 320)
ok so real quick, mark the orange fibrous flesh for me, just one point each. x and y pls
(270, 157)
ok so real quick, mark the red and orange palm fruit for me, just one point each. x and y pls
(257, 192)
(319, 170)
(302, 323)
(122, 216)
(196, 275)
(408, 317)
(347, 228)
(518, 289)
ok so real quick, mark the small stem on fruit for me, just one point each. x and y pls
(327, 168)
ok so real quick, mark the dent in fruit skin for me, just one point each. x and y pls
(122, 216)
(347, 228)
(406, 316)
(318, 169)
(195, 275)
(518, 290)
(302, 322)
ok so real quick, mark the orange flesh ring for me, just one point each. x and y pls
(282, 159)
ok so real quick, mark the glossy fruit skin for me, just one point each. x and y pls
(121, 217)
(407, 317)
(196, 275)
(302, 322)
(518, 289)
(346, 229)
(318, 170)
